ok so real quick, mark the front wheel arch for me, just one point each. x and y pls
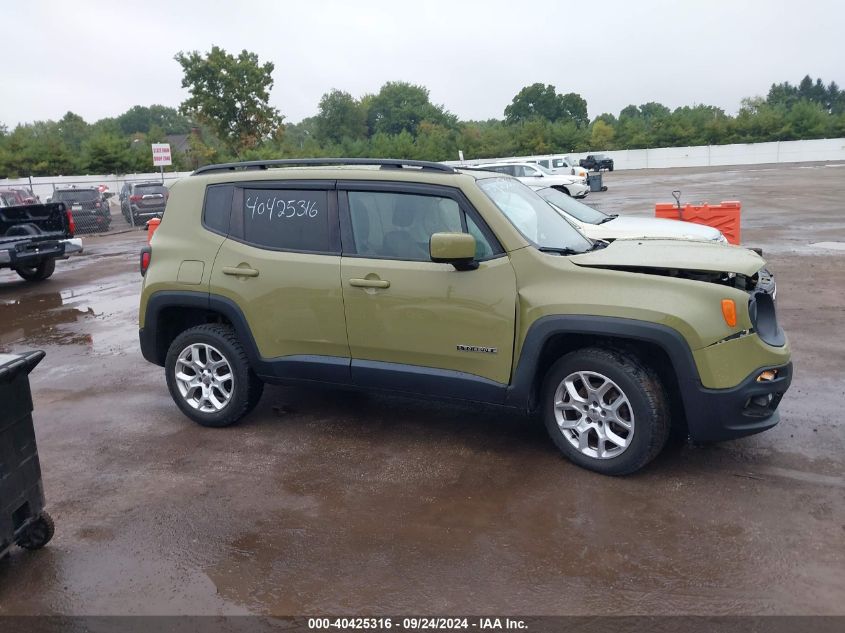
(663, 348)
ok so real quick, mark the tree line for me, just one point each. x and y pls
(228, 117)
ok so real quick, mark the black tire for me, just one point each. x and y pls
(610, 168)
(256, 390)
(39, 272)
(648, 406)
(246, 389)
(38, 534)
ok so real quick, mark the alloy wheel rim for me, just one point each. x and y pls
(594, 415)
(204, 378)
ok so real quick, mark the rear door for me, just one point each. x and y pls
(280, 264)
(414, 324)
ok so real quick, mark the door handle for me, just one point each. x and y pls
(240, 272)
(369, 283)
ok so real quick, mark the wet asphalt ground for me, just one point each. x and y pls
(331, 502)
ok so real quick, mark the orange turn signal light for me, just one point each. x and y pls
(729, 312)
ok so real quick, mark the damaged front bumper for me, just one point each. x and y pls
(748, 408)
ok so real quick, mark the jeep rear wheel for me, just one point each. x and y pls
(605, 410)
(209, 377)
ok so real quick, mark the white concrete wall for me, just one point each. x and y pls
(712, 155)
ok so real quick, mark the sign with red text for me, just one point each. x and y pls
(161, 154)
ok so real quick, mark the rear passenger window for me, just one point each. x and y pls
(287, 219)
(217, 209)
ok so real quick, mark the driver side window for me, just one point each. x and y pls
(400, 225)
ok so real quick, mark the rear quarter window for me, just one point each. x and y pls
(217, 209)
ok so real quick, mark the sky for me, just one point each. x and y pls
(98, 59)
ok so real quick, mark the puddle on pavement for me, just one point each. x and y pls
(64, 317)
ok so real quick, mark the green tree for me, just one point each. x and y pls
(601, 136)
(401, 107)
(73, 130)
(533, 101)
(340, 116)
(231, 96)
(435, 142)
(806, 119)
(112, 154)
(544, 102)
(141, 119)
(37, 149)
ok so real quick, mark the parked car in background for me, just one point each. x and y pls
(597, 162)
(560, 165)
(15, 196)
(534, 175)
(90, 210)
(140, 201)
(598, 225)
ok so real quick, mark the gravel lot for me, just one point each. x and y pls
(330, 502)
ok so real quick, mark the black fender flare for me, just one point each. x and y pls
(521, 392)
(158, 301)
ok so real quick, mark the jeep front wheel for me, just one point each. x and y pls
(605, 410)
(209, 377)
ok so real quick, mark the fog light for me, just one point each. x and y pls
(762, 401)
(768, 375)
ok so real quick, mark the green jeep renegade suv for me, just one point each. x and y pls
(425, 279)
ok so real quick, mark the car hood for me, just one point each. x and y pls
(656, 228)
(673, 255)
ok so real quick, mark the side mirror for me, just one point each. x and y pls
(457, 249)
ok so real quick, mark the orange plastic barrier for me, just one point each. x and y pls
(152, 225)
(724, 216)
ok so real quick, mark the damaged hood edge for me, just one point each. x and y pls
(673, 254)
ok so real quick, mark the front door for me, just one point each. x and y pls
(413, 324)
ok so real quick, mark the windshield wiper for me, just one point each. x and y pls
(563, 250)
(612, 216)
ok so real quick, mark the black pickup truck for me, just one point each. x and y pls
(34, 236)
(596, 162)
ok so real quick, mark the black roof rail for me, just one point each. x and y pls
(384, 163)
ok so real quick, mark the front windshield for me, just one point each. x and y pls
(533, 217)
(577, 210)
(560, 163)
(543, 169)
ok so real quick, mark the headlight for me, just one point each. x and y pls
(722, 239)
